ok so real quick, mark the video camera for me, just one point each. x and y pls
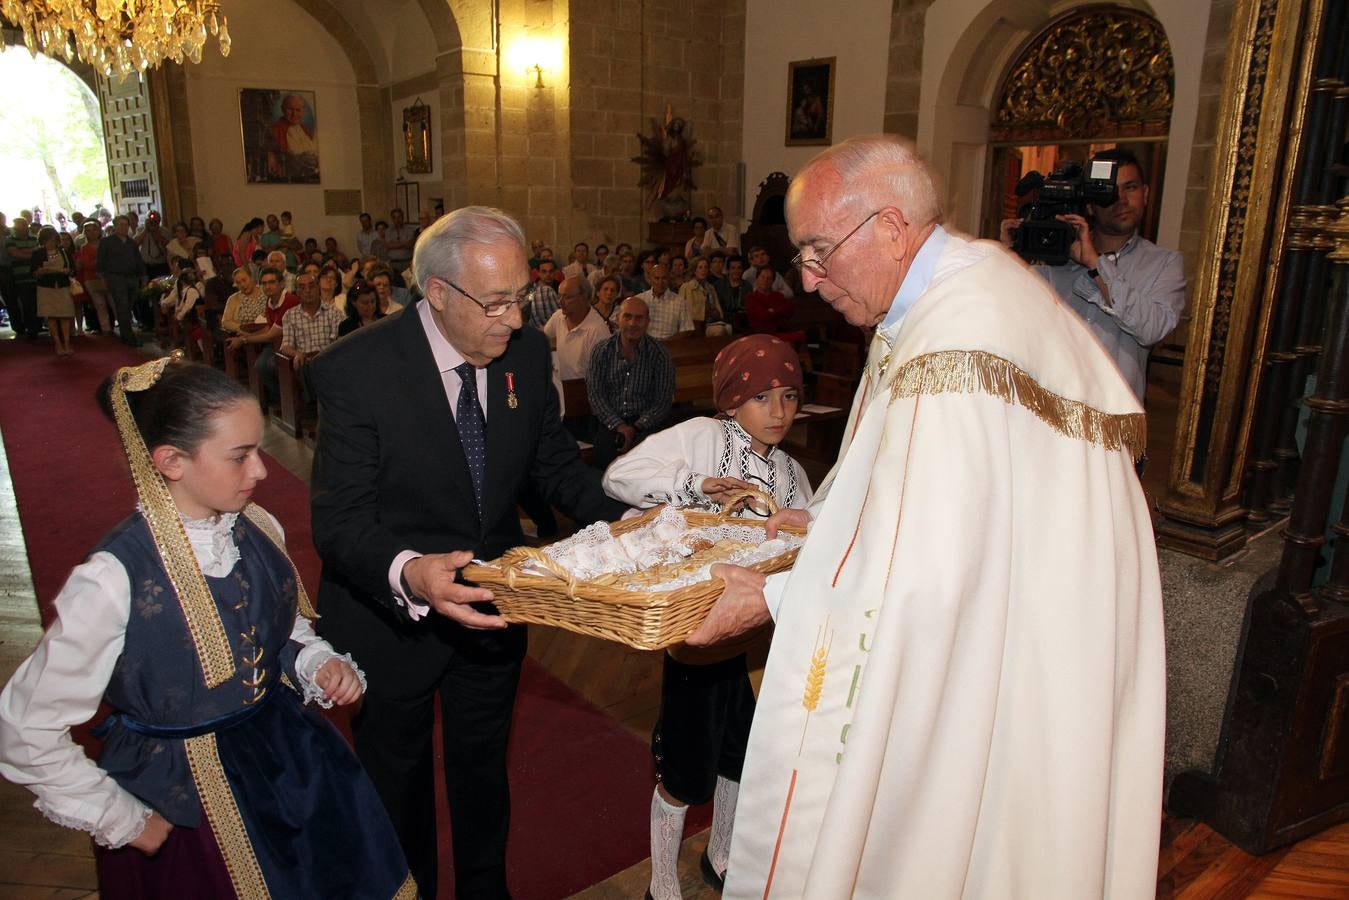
(1068, 189)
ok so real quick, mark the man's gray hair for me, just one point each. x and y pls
(440, 249)
(884, 170)
(587, 288)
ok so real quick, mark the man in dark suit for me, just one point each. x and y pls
(433, 421)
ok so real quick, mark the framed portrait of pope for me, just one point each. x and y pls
(280, 132)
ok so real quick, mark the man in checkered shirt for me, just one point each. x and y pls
(670, 316)
(543, 300)
(308, 328)
(630, 384)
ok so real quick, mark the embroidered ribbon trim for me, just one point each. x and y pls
(975, 371)
(255, 514)
(217, 798)
(407, 890)
(166, 528)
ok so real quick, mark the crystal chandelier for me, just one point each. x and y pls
(118, 37)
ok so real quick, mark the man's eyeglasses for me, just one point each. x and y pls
(496, 308)
(815, 266)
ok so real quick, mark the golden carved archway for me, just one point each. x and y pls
(1099, 72)
(1094, 78)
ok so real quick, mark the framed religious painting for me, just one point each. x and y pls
(810, 102)
(280, 131)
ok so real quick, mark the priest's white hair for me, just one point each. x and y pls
(441, 247)
(883, 170)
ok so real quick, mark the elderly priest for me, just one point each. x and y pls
(964, 696)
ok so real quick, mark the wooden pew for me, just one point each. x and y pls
(693, 358)
(834, 390)
(815, 317)
(255, 384)
(290, 418)
(233, 360)
(577, 403)
(575, 398)
(815, 437)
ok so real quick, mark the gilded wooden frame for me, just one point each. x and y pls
(1258, 139)
(417, 137)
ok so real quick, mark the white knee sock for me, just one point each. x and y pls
(723, 821)
(667, 833)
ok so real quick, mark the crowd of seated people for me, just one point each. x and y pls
(269, 297)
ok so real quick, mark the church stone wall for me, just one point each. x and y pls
(629, 59)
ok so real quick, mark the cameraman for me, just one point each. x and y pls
(1129, 290)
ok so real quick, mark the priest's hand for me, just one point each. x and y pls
(797, 518)
(153, 835)
(434, 580)
(740, 608)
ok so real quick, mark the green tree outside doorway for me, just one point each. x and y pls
(52, 157)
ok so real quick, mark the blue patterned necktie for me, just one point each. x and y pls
(472, 427)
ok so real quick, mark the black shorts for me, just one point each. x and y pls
(703, 727)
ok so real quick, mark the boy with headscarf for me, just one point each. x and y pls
(707, 702)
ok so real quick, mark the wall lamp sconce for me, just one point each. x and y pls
(534, 53)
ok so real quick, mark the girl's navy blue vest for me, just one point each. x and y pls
(158, 690)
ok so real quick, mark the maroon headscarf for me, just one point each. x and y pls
(750, 366)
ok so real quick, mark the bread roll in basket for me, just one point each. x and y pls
(530, 586)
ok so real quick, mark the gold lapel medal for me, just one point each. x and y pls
(511, 400)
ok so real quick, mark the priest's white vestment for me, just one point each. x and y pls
(965, 693)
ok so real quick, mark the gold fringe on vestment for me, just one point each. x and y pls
(180, 563)
(217, 799)
(975, 371)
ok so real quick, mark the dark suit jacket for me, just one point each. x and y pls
(390, 473)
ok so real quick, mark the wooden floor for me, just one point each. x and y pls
(1198, 864)
(41, 860)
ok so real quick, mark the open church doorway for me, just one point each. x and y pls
(53, 157)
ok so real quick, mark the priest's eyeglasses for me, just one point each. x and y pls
(496, 308)
(815, 266)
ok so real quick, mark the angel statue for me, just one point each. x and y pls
(667, 163)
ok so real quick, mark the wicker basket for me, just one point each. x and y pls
(604, 607)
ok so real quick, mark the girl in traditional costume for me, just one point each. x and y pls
(707, 702)
(217, 778)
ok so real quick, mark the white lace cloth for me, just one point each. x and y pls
(595, 551)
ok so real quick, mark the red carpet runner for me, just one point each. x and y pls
(581, 784)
